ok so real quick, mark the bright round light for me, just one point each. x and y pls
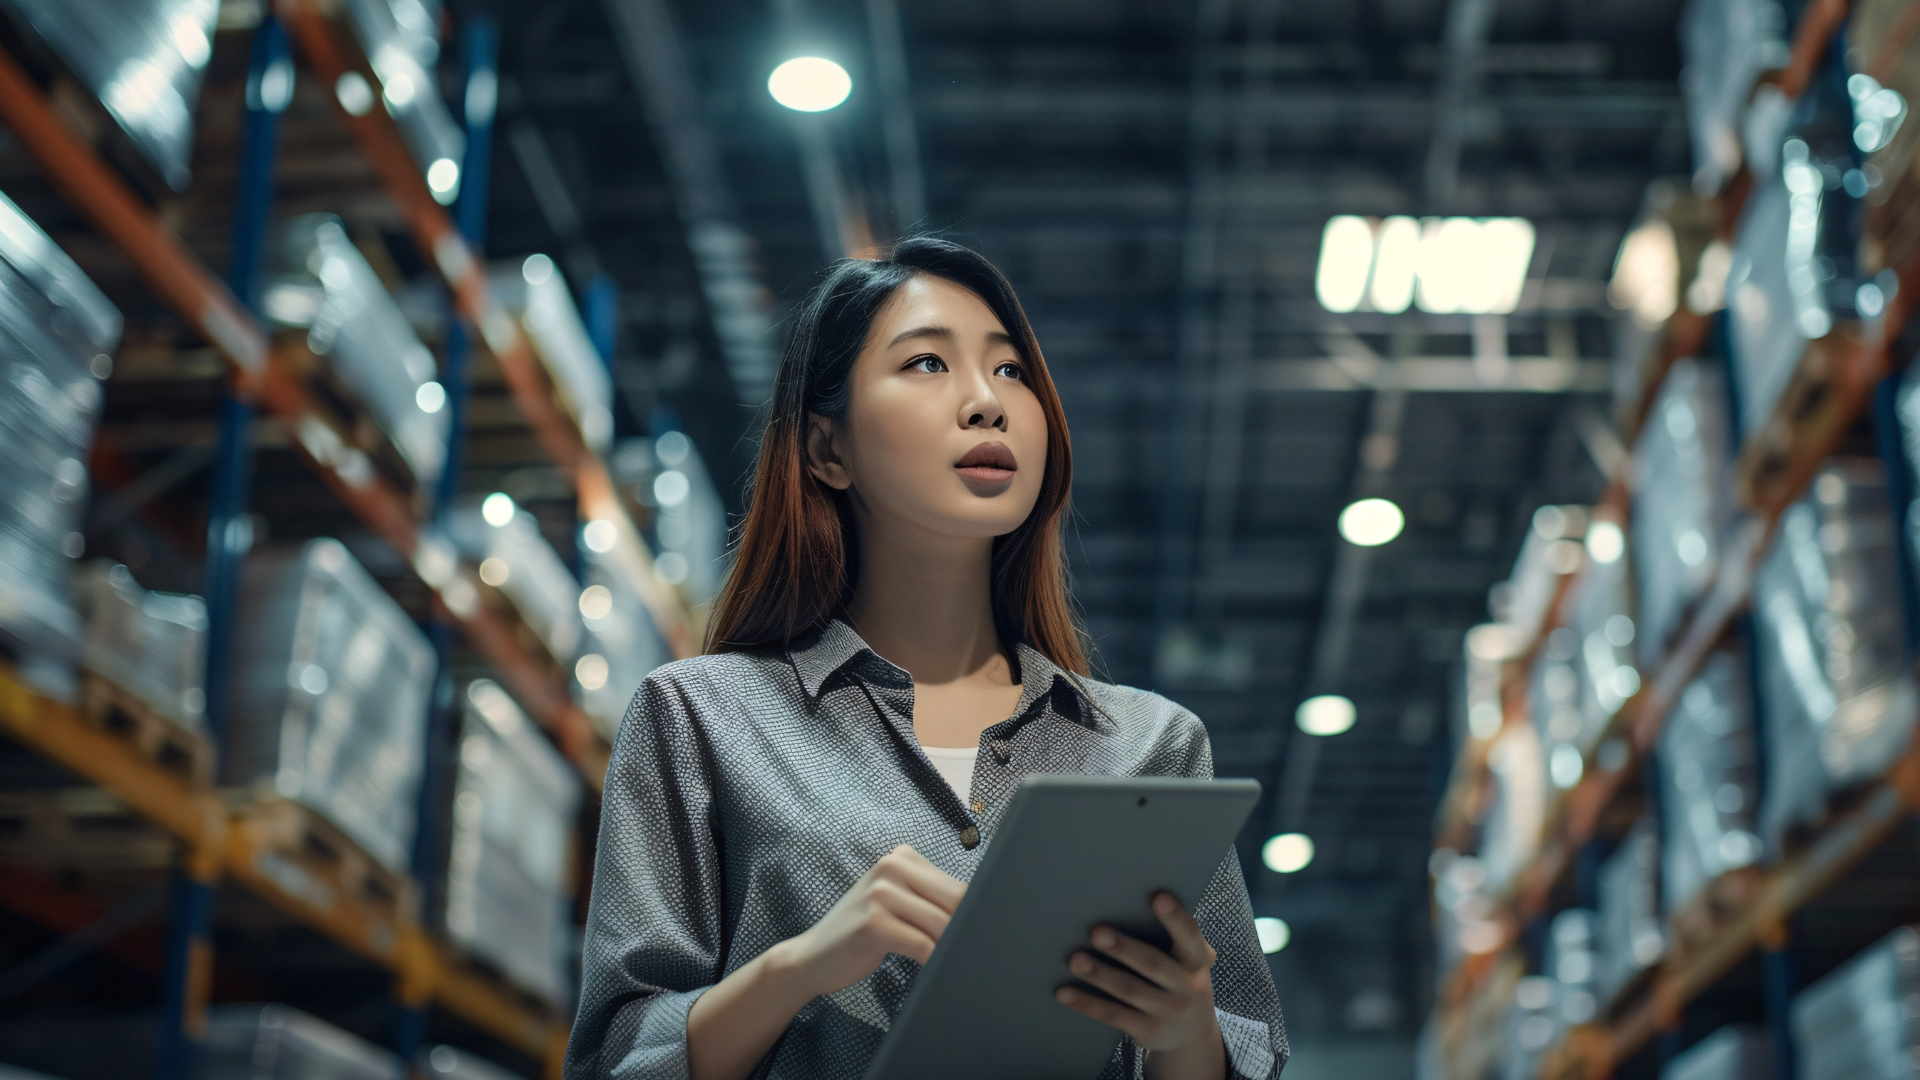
(1287, 853)
(591, 670)
(600, 535)
(596, 602)
(431, 397)
(1273, 933)
(1605, 542)
(1371, 522)
(498, 509)
(1564, 765)
(1328, 714)
(809, 84)
(537, 269)
(443, 179)
(495, 571)
(671, 488)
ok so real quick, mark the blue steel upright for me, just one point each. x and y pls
(270, 77)
(481, 83)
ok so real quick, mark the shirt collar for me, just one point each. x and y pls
(838, 645)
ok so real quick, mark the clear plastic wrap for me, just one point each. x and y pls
(1728, 44)
(401, 41)
(1529, 1028)
(56, 334)
(1603, 627)
(1838, 691)
(325, 287)
(689, 517)
(622, 648)
(331, 683)
(513, 811)
(1511, 835)
(1734, 1052)
(143, 59)
(515, 558)
(151, 644)
(1709, 780)
(1682, 500)
(452, 1063)
(1764, 336)
(1570, 959)
(536, 292)
(1631, 936)
(1857, 1023)
(275, 1042)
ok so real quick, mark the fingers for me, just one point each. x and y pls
(1189, 944)
(1111, 1013)
(911, 908)
(1131, 989)
(897, 935)
(1141, 957)
(910, 868)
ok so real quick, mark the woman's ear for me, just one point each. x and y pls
(823, 457)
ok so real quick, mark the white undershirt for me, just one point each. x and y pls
(956, 766)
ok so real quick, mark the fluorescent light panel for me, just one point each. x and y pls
(1473, 266)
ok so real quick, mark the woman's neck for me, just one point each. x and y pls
(924, 601)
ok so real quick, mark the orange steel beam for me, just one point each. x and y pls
(438, 239)
(173, 272)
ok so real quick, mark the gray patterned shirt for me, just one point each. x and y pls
(749, 791)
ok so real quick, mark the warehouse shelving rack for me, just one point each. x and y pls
(1830, 391)
(215, 840)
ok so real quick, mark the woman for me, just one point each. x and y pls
(788, 821)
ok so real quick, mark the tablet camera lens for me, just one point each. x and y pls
(1143, 800)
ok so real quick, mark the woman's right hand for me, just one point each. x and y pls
(901, 905)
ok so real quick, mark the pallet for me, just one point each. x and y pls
(158, 738)
(79, 828)
(307, 857)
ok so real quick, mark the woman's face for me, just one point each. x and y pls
(942, 430)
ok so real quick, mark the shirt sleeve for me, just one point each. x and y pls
(653, 939)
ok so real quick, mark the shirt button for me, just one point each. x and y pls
(969, 838)
(978, 806)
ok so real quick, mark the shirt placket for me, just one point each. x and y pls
(893, 700)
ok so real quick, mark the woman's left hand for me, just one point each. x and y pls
(1163, 1000)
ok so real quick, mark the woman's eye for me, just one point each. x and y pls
(930, 364)
(1009, 370)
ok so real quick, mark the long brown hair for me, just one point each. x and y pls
(797, 553)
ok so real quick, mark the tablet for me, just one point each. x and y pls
(1072, 851)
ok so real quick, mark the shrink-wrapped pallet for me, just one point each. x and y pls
(536, 292)
(1884, 86)
(1603, 630)
(515, 558)
(1838, 692)
(1631, 936)
(151, 644)
(622, 646)
(143, 58)
(331, 684)
(1510, 836)
(1859, 1022)
(275, 1042)
(401, 41)
(1682, 501)
(451, 1063)
(1570, 959)
(1728, 45)
(1529, 1028)
(1735, 1052)
(689, 517)
(1764, 336)
(56, 336)
(325, 287)
(1709, 780)
(507, 873)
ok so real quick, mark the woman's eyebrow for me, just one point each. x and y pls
(920, 332)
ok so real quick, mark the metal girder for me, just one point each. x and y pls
(723, 254)
(897, 126)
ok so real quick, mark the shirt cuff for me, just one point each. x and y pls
(1249, 1046)
(660, 1039)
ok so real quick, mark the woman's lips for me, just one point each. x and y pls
(990, 462)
